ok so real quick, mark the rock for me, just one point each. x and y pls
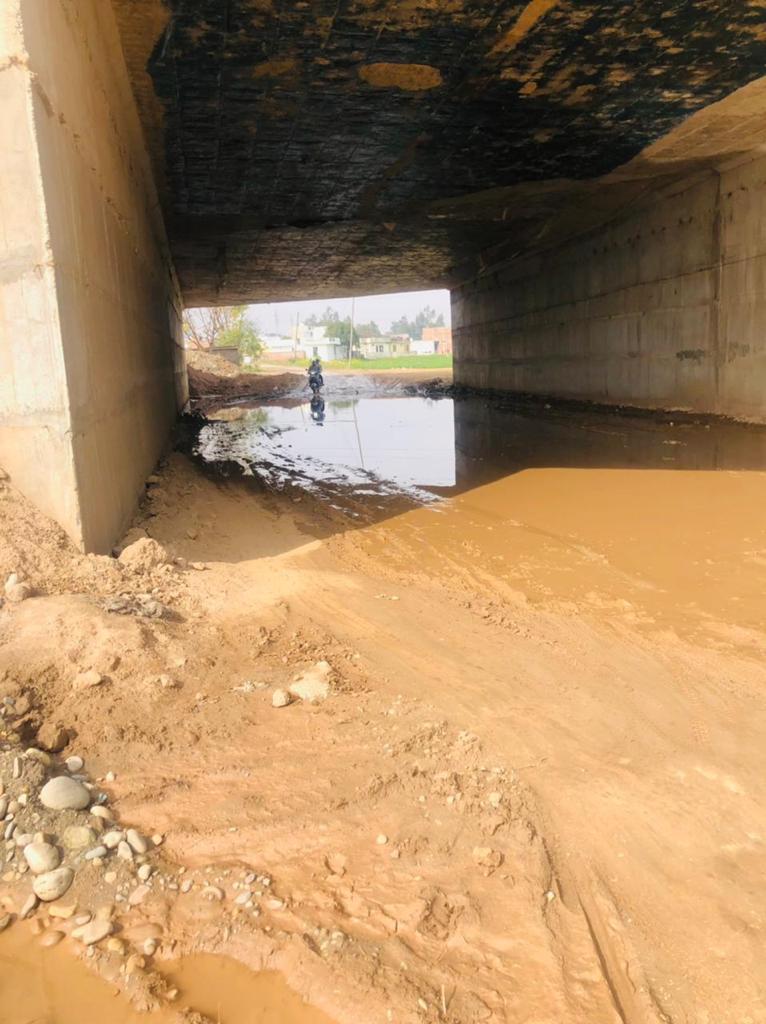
(77, 837)
(33, 754)
(124, 852)
(314, 685)
(280, 699)
(41, 857)
(62, 911)
(336, 864)
(87, 680)
(149, 947)
(20, 592)
(4, 801)
(22, 839)
(64, 794)
(143, 555)
(51, 938)
(136, 841)
(74, 764)
(92, 932)
(186, 885)
(212, 892)
(97, 853)
(101, 812)
(487, 858)
(145, 872)
(29, 906)
(5, 920)
(381, 840)
(138, 895)
(134, 534)
(52, 884)
(113, 838)
(166, 682)
(115, 945)
(158, 839)
(52, 736)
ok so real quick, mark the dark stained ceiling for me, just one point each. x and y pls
(338, 146)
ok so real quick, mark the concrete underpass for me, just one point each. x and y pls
(402, 702)
(586, 179)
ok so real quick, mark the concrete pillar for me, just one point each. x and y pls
(91, 366)
(663, 308)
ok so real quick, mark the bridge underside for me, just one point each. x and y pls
(586, 177)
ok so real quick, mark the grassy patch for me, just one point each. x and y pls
(394, 363)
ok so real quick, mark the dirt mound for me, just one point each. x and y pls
(205, 389)
(209, 362)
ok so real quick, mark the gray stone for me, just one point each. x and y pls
(74, 764)
(29, 906)
(64, 794)
(136, 841)
(96, 853)
(53, 884)
(93, 932)
(41, 857)
(113, 838)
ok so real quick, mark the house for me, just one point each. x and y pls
(278, 348)
(328, 350)
(422, 348)
(442, 336)
(385, 347)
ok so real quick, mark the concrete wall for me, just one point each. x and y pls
(90, 354)
(662, 308)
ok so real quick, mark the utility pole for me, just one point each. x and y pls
(351, 333)
(295, 336)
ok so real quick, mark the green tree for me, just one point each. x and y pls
(341, 329)
(427, 317)
(240, 333)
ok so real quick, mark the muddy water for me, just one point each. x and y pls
(51, 986)
(655, 522)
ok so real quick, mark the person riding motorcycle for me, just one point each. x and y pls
(316, 380)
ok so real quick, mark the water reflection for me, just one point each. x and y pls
(421, 446)
(406, 442)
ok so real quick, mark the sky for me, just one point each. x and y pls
(279, 317)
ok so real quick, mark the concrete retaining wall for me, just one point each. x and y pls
(91, 365)
(663, 308)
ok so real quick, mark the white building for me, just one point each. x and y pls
(422, 348)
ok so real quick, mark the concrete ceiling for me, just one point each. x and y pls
(341, 146)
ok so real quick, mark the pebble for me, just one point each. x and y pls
(92, 932)
(77, 837)
(135, 962)
(64, 794)
(280, 699)
(23, 839)
(41, 857)
(138, 895)
(18, 592)
(110, 877)
(212, 892)
(16, 770)
(145, 872)
(313, 685)
(112, 839)
(101, 812)
(158, 839)
(53, 737)
(124, 851)
(186, 885)
(5, 920)
(115, 945)
(35, 754)
(63, 911)
(150, 947)
(74, 764)
(87, 680)
(29, 906)
(52, 884)
(51, 938)
(4, 801)
(381, 840)
(96, 853)
(136, 841)
(243, 899)
(110, 776)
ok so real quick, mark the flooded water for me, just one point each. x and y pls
(51, 986)
(445, 446)
(661, 519)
